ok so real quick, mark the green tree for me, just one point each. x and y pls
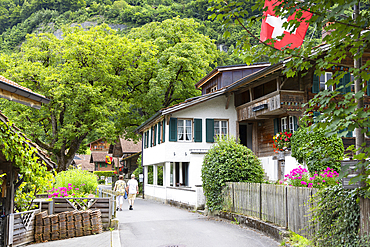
(310, 145)
(85, 75)
(228, 161)
(348, 40)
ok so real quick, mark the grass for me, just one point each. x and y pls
(297, 240)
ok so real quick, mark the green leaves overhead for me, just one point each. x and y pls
(104, 83)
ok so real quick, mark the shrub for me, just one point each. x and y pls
(101, 181)
(70, 191)
(311, 146)
(104, 173)
(84, 180)
(281, 141)
(338, 216)
(228, 161)
(139, 170)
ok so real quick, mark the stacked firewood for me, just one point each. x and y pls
(67, 225)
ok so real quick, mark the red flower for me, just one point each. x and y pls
(115, 172)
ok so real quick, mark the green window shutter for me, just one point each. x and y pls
(151, 136)
(368, 88)
(276, 126)
(315, 115)
(295, 120)
(155, 135)
(315, 84)
(159, 132)
(197, 130)
(349, 134)
(210, 130)
(347, 79)
(163, 130)
(144, 139)
(147, 139)
(173, 130)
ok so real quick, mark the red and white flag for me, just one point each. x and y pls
(272, 27)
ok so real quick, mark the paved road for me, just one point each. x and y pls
(152, 224)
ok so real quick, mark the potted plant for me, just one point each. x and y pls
(281, 141)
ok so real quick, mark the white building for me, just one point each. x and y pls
(175, 141)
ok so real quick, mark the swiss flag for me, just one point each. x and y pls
(272, 27)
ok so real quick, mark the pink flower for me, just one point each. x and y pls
(290, 185)
(76, 188)
(323, 181)
(303, 183)
(312, 178)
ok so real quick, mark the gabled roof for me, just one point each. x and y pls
(128, 146)
(83, 160)
(15, 92)
(98, 156)
(180, 106)
(221, 69)
(40, 153)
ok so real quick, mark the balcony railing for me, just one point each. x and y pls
(271, 105)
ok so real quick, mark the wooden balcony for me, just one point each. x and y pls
(272, 105)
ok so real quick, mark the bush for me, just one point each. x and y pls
(337, 216)
(84, 180)
(104, 173)
(310, 145)
(139, 170)
(101, 181)
(228, 161)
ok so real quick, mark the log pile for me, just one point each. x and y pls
(67, 225)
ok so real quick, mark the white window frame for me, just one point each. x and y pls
(212, 89)
(221, 128)
(186, 124)
(326, 79)
(284, 123)
(291, 124)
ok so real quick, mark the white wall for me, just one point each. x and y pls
(179, 151)
(271, 166)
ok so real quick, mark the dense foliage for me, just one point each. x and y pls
(33, 171)
(347, 19)
(100, 81)
(228, 161)
(85, 181)
(139, 170)
(317, 151)
(337, 214)
(104, 173)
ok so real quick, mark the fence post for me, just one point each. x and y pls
(100, 192)
(10, 230)
(260, 201)
(51, 207)
(286, 207)
(232, 186)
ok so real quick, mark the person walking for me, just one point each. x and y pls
(120, 186)
(132, 189)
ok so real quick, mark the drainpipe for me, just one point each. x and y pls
(142, 155)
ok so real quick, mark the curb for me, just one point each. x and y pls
(276, 232)
(115, 239)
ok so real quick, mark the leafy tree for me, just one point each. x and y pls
(86, 76)
(228, 161)
(310, 145)
(34, 174)
(348, 20)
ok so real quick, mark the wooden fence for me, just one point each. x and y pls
(20, 228)
(282, 205)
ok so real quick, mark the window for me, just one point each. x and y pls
(325, 78)
(284, 124)
(291, 124)
(184, 132)
(220, 128)
(181, 174)
(212, 89)
(146, 139)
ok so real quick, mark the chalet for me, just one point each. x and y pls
(176, 139)
(82, 161)
(99, 155)
(14, 92)
(252, 105)
(127, 152)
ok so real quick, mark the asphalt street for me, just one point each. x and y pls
(153, 224)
